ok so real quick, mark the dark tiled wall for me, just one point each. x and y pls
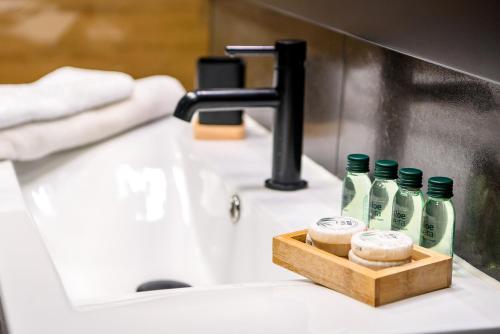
(364, 98)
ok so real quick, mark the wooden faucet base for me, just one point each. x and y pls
(218, 132)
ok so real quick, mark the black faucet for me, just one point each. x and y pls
(287, 98)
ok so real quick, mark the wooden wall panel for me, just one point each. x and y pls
(138, 37)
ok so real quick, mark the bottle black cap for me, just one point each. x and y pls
(410, 178)
(386, 169)
(440, 186)
(358, 163)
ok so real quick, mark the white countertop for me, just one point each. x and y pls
(34, 299)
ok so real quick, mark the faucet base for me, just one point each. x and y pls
(286, 186)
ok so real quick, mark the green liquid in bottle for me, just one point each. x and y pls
(355, 194)
(438, 217)
(407, 212)
(381, 202)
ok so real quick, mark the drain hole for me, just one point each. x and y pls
(161, 284)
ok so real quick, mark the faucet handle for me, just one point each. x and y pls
(235, 50)
(288, 51)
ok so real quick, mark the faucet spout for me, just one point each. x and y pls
(225, 98)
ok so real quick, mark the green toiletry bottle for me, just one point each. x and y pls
(408, 204)
(438, 217)
(356, 187)
(382, 194)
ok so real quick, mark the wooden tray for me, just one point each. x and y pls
(427, 272)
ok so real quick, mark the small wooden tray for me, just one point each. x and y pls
(428, 271)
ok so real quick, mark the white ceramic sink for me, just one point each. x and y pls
(80, 230)
(154, 204)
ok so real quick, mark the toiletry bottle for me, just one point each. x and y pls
(408, 204)
(382, 194)
(356, 187)
(438, 218)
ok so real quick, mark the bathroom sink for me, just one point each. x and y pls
(154, 204)
(81, 230)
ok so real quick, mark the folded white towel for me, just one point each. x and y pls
(65, 91)
(152, 98)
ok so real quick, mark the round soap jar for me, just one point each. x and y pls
(333, 234)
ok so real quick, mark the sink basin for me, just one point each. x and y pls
(154, 204)
(81, 230)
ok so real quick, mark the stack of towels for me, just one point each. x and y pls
(72, 107)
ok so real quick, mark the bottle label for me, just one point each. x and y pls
(432, 231)
(376, 207)
(379, 198)
(400, 218)
(348, 192)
